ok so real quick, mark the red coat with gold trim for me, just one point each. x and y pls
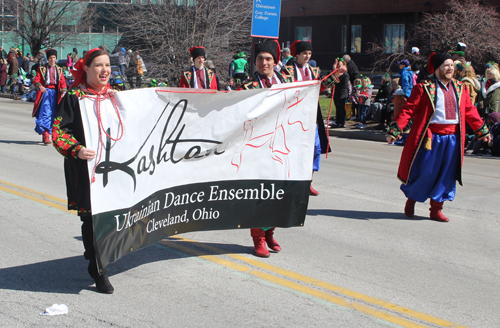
(187, 80)
(39, 80)
(421, 107)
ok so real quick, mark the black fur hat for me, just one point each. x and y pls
(271, 47)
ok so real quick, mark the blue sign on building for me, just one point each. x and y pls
(266, 18)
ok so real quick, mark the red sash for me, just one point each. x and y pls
(442, 129)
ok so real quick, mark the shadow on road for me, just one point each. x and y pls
(69, 275)
(17, 142)
(364, 215)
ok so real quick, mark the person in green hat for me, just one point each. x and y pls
(153, 84)
(240, 66)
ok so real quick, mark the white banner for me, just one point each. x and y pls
(169, 158)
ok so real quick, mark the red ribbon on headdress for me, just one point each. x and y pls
(293, 48)
(430, 64)
(278, 52)
(79, 71)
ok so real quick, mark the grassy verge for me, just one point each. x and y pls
(324, 103)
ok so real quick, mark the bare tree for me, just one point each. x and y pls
(383, 60)
(46, 23)
(467, 21)
(164, 30)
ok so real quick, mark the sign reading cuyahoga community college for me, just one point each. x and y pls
(266, 18)
(178, 160)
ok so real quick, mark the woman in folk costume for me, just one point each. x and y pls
(432, 157)
(91, 81)
(51, 88)
(299, 68)
(198, 76)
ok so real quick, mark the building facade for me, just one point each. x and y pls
(338, 27)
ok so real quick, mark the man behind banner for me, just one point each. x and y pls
(51, 88)
(198, 76)
(267, 54)
(432, 158)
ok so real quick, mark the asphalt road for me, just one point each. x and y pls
(357, 262)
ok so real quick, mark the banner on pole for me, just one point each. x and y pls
(192, 160)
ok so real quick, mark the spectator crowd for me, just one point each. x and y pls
(354, 96)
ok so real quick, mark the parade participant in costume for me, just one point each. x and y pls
(51, 87)
(199, 76)
(267, 54)
(300, 70)
(91, 81)
(432, 157)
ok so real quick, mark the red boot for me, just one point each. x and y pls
(271, 243)
(436, 214)
(313, 191)
(259, 242)
(410, 208)
(46, 137)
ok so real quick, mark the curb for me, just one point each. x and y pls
(352, 133)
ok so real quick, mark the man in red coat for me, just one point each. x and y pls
(51, 88)
(431, 161)
(198, 76)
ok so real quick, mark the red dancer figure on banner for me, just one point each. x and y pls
(276, 139)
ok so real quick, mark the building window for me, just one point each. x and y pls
(183, 2)
(394, 38)
(304, 33)
(355, 38)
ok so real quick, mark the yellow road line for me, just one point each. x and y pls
(328, 286)
(295, 286)
(36, 199)
(56, 202)
(55, 199)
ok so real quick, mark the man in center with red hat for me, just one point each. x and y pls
(198, 76)
(51, 88)
(432, 158)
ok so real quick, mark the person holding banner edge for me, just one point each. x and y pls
(298, 67)
(91, 81)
